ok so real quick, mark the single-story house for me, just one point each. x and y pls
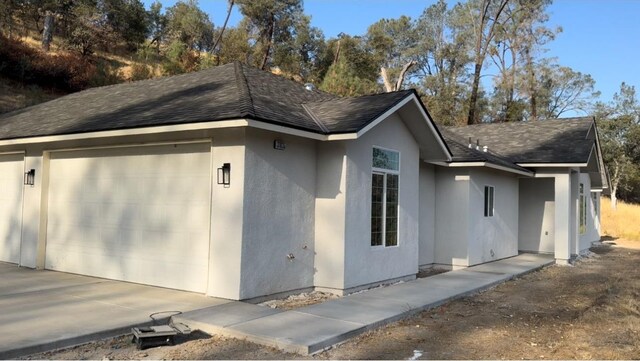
(241, 184)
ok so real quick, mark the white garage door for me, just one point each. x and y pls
(137, 214)
(11, 184)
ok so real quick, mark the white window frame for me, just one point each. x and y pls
(595, 203)
(384, 172)
(490, 201)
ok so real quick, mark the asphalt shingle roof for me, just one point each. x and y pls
(564, 140)
(225, 92)
(461, 152)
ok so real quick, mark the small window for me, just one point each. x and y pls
(583, 210)
(488, 201)
(385, 180)
(594, 199)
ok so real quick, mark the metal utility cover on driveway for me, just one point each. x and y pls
(137, 214)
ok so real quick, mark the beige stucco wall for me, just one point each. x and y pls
(278, 219)
(365, 264)
(330, 211)
(536, 215)
(452, 216)
(427, 223)
(493, 238)
(464, 236)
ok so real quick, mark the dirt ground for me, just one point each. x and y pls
(587, 311)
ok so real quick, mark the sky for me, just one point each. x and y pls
(599, 37)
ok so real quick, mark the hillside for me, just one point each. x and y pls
(30, 76)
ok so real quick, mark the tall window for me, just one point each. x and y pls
(583, 210)
(385, 179)
(488, 201)
(594, 199)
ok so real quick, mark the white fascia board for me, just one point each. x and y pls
(383, 116)
(13, 152)
(285, 130)
(552, 165)
(484, 164)
(424, 114)
(233, 123)
(127, 132)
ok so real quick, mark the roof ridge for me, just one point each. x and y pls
(243, 88)
(315, 119)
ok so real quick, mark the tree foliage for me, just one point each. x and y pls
(619, 125)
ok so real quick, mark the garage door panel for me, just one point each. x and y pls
(11, 187)
(141, 216)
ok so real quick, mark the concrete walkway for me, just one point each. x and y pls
(45, 310)
(310, 329)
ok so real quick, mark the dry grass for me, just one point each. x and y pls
(623, 222)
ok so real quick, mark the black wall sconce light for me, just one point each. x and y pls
(29, 177)
(224, 175)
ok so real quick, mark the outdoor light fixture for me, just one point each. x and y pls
(29, 177)
(224, 175)
(279, 144)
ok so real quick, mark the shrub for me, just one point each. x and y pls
(140, 72)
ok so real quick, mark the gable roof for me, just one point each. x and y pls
(567, 140)
(231, 91)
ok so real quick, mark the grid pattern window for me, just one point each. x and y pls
(594, 200)
(583, 210)
(489, 197)
(385, 180)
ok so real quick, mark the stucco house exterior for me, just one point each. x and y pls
(241, 184)
(558, 205)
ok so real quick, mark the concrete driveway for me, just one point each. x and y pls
(44, 310)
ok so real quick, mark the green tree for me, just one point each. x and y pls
(619, 125)
(442, 59)
(518, 39)
(127, 18)
(393, 43)
(342, 79)
(479, 20)
(564, 90)
(353, 69)
(300, 54)
(188, 24)
(269, 22)
(157, 21)
(234, 45)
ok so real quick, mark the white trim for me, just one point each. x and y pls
(484, 164)
(285, 130)
(433, 128)
(128, 132)
(552, 165)
(130, 145)
(384, 173)
(14, 152)
(344, 136)
(233, 123)
(424, 114)
(383, 116)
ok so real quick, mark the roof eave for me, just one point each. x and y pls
(487, 165)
